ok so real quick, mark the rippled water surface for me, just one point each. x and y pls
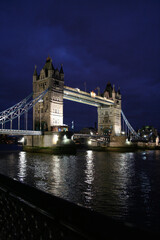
(125, 186)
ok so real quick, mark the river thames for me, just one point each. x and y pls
(124, 186)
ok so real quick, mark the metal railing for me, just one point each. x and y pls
(28, 213)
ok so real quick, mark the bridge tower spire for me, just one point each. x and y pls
(48, 114)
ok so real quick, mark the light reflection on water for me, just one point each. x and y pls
(22, 166)
(89, 177)
(121, 185)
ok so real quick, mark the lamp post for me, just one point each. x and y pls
(40, 101)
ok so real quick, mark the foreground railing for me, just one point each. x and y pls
(28, 213)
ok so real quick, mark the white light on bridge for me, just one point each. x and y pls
(55, 139)
(128, 142)
(78, 89)
(65, 139)
(93, 94)
(21, 140)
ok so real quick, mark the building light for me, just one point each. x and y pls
(89, 142)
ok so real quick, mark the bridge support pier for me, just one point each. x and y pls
(50, 142)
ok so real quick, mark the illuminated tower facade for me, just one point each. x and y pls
(48, 112)
(109, 117)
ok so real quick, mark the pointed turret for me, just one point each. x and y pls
(35, 71)
(48, 67)
(57, 72)
(61, 73)
(35, 75)
(109, 89)
(113, 92)
(119, 92)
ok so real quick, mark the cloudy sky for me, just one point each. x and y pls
(97, 42)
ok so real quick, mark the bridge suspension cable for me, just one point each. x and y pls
(15, 107)
(126, 126)
(19, 109)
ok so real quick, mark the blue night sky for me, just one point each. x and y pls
(97, 42)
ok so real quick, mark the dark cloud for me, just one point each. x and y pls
(97, 42)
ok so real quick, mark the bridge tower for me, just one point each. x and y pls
(109, 117)
(48, 113)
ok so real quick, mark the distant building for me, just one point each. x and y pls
(88, 130)
(148, 133)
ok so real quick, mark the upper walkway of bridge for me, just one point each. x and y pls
(77, 95)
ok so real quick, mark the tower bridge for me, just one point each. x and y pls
(49, 92)
(108, 103)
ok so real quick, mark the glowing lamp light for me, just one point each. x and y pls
(89, 142)
(21, 140)
(65, 139)
(128, 142)
(55, 139)
(93, 94)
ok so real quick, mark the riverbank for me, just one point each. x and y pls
(72, 149)
(51, 150)
(132, 147)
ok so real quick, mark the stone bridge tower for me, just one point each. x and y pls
(48, 113)
(109, 117)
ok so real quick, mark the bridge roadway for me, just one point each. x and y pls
(76, 95)
(20, 132)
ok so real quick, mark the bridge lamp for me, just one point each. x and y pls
(21, 140)
(65, 139)
(89, 142)
(55, 139)
(128, 142)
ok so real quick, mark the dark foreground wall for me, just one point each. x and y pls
(28, 213)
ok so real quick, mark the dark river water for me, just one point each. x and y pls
(125, 186)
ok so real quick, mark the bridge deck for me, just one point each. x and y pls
(19, 132)
(76, 95)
